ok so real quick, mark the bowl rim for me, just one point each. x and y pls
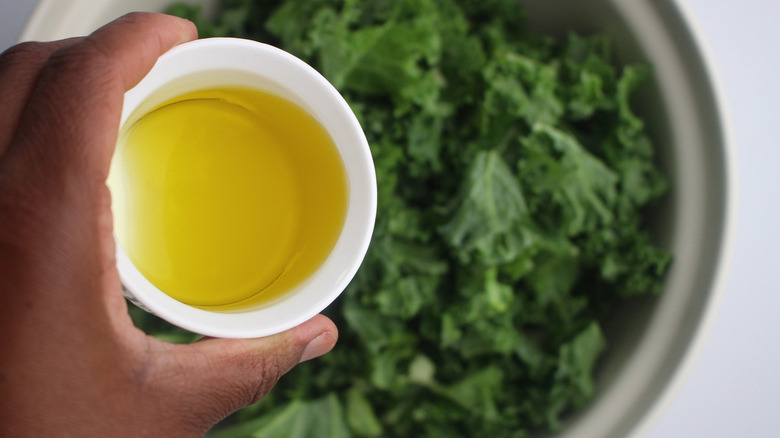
(730, 218)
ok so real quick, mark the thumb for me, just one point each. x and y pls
(212, 378)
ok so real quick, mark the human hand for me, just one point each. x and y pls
(71, 361)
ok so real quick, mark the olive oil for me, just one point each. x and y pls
(227, 197)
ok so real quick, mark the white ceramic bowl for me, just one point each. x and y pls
(652, 341)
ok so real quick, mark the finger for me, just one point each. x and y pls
(216, 377)
(70, 124)
(20, 67)
(52, 177)
(135, 41)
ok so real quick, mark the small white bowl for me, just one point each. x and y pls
(237, 62)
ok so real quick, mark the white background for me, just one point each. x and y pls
(733, 388)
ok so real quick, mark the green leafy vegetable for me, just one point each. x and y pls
(513, 176)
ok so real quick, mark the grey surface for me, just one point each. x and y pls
(13, 15)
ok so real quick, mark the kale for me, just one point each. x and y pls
(513, 178)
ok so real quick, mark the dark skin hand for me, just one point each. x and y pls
(71, 361)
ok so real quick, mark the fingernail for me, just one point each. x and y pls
(189, 30)
(317, 347)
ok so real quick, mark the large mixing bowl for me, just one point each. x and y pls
(653, 340)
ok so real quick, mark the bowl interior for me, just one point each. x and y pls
(652, 339)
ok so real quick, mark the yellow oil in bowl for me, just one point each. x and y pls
(227, 197)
